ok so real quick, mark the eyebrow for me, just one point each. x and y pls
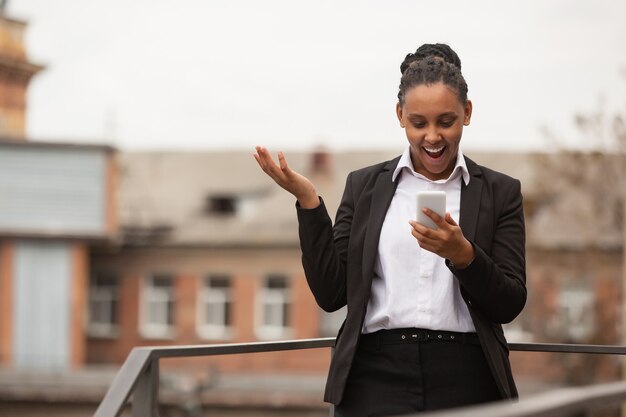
(447, 114)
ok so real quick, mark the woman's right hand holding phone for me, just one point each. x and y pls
(298, 185)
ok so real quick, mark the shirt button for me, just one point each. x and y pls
(425, 274)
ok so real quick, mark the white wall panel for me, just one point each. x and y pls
(52, 190)
(41, 309)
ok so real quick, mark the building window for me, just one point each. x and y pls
(516, 332)
(215, 307)
(577, 313)
(103, 304)
(158, 306)
(223, 205)
(331, 322)
(274, 305)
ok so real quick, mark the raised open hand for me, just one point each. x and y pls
(298, 185)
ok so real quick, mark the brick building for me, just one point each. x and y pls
(208, 253)
(55, 200)
(574, 235)
(205, 250)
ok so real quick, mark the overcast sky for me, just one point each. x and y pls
(166, 74)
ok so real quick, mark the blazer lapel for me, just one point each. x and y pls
(382, 195)
(470, 200)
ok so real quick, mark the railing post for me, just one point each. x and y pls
(146, 394)
(332, 406)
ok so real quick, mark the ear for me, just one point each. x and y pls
(399, 114)
(468, 113)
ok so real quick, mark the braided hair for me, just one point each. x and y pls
(430, 64)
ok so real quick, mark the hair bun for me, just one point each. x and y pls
(439, 50)
(430, 64)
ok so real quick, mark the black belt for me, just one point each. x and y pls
(412, 335)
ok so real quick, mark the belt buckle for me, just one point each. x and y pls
(420, 336)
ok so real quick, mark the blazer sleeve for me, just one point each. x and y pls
(495, 283)
(325, 248)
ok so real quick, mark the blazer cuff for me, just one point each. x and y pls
(472, 268)
(451, 264)
(298, 207)
(311, 216)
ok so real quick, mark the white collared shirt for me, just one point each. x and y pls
(412, 287)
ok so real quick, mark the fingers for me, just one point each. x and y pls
(420, 229)
(264, 158)
(425, 237)
(421, 232)
(261, 155)
(283, 163)
(450, 220)
(282, 174)
(440, 240)
(439, 221)
(260, 161)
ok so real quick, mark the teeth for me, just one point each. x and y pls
(434, 150)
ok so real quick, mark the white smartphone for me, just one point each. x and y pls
(433, 200)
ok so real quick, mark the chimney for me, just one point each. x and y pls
(16, 71)
(321, 162)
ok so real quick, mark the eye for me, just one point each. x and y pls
(446, 123)
(419, 125)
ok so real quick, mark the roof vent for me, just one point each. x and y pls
(222, 205)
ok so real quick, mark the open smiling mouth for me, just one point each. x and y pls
(434, 153)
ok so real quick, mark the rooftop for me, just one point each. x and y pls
(224, 199)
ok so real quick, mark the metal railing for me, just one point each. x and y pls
(556, 403)
(139, 376)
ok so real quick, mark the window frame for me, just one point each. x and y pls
(157, 330)
(216, 296)
(109, 295)
(576, 312)
(330, 323)
(276, 296)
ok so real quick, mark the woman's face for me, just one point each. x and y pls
(433, 119)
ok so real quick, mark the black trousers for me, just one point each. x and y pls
(415, 375)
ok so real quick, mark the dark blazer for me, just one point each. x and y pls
(339, 260)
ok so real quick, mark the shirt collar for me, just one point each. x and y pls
(405, 162)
